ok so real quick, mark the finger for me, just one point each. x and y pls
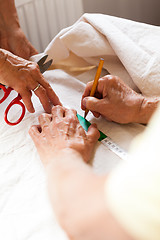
(93, 134)
(105, 83)
(86, 93)
(58, 112)
(44, 120)
(50, 93)
(71, 118)
(38, 77)
(53, 97)
(97, 115)
(88, 89)
(34, 133)
(42, 95)
(92, 104)
(71, 127)
(80, 131)
(108, 119)
(99, 90)
(26, 97)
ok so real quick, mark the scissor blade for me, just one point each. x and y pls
(42, 60)
(45, 66)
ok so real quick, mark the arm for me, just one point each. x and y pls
(12, 37)
(76, 193)
(83, 203)
(117, 102)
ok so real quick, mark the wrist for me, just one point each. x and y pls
(65, 166)
(66, 154)
(147, 108)
(65, 162)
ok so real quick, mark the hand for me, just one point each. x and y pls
(24, 76)
(61, 130)
(14, 40)
(113, 100)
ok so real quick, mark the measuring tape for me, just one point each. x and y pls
(105, 140)
(108, 142)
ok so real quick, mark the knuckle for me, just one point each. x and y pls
(72, 119)
(71, 112)
(80, 128)
(74, 112)
(35, 66)
(58, 123)
(112, 78)
(45, 129)
(57, 107)
(40, 117)
(44, 115)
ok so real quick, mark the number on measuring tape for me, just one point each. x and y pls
(114, 148)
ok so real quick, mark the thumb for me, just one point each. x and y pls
(91, 103)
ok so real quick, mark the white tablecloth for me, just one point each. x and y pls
(25, 211)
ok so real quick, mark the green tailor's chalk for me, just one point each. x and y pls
(85, 124)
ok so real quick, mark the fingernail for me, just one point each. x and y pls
(32, 110)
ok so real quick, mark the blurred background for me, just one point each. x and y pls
(41, 20)
(147, 11)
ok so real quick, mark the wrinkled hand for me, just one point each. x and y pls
(24, 76)
(62, 130)
(113, 100)
(14, 40)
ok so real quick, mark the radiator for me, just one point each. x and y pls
(41, 20)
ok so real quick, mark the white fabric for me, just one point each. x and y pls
(25, 212)
(130, 49)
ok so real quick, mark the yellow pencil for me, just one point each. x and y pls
(95, 83)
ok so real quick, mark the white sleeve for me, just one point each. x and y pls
(133, 189)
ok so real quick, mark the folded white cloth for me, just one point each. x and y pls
(130, 49)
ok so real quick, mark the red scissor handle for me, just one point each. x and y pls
(6, 92)
(15, 101)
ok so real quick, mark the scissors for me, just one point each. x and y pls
(43, 67)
